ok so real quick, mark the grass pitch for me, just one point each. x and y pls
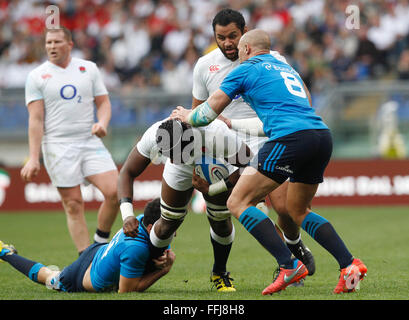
(377, 235)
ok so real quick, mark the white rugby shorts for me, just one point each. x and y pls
(179, 177)
(69, 164)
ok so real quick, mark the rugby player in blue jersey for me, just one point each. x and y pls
(123, 264)
(209, 72)
(299, 147)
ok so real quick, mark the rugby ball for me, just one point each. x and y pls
(210, 169)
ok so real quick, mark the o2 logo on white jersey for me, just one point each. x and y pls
(68, 92)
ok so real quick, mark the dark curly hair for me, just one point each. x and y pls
(226, 16)
(172, 138)
(151, 212)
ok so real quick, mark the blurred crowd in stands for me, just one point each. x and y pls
(155, 43)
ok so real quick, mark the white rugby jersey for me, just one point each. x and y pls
(218, 141)
(68, 96)
(208, 75)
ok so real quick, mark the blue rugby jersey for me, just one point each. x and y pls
(123, 255)
(275, 91)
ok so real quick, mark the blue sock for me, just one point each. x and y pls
(262, 228)
(321, 230)
(27, 267)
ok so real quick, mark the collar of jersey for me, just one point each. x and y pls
(142, 225)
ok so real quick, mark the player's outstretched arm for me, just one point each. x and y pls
(205, 113)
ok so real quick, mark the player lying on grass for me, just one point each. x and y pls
(179, 145)
(125, 263)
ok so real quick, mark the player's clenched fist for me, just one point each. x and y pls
(99, 130)
(180, 113)
(30, 170)
(130, 227)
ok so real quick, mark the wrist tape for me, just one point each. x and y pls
(126, 208)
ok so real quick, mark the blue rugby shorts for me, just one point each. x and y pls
(71, 277)
(301, 156)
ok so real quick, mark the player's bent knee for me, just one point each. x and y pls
(217, 212)
(172, 213)
(233, 206)
(111, 193)
(111, 198)
(280, 208)
(73, 206)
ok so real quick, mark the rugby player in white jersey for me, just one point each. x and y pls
(60, 96)
(174, 141)
(209, 72)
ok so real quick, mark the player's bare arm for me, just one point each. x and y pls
(132, 168)
(35, 135)
(103, 106)
(204, 113)
(202, 185)
(196, 102)
(227, 121)
(144, 282)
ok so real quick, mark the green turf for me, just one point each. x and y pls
(378, 235)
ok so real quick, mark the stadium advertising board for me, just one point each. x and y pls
(365, 182)
(40, 194)
(347, 182)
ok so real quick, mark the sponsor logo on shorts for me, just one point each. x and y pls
(286, 169)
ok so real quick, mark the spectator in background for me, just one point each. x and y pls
(367, 56)
(177, 77)
(164, 28)
(403, 65)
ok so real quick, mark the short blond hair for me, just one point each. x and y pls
(67, 33)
